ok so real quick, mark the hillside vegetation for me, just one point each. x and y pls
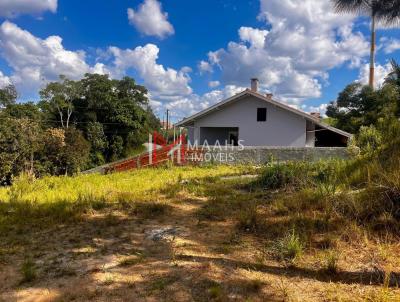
(325, 231)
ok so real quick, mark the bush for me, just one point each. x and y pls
(248, 218)
(288, 248)
(278, 176)
(28, 270)
(323, 175)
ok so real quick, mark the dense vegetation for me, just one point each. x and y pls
(76, 125)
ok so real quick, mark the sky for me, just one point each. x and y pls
(192, 54)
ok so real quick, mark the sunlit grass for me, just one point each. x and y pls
(139, 185)
(64, 198)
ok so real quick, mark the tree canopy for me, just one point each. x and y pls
(75, 126)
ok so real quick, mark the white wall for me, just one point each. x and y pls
(282, 128)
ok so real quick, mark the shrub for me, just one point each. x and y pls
(28, 271)
(248, 218)
(277, 176)
(323, 175)
(331, 262)
(289, 247)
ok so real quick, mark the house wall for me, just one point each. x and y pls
(282, 128)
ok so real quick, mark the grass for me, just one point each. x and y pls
(28, 270)
(65, 198)
(288, 248)
(234, 236)
(331, 262)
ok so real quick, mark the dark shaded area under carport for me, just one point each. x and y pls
(327, 138)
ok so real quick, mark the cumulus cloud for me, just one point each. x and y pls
(256, 37)
(161, 81)
(186, 106)
(321, 109)
(381, 71)
(35, 61)
(4, 80)
(390, 45)
(205, 67)
(150, 20)
(306, 39)
(13, 8)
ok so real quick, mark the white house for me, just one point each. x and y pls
(254, 119)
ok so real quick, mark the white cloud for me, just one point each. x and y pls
(205, 67)
(213, 84)
(150, 20)
(306, 40)
(254, 36)
(320, 109)
(4, 80)
(13, 8)
(390, 45)
(36, 61)
(381, 71)
(162, 82)
(186, 106)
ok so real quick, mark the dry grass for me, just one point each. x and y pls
(231, 241)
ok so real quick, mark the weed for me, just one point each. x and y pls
(248, 218)
(215, 291)
(288, 248)
(108, 279)
(132, 260)
(331, 262)
(149, 210)
(28, 270)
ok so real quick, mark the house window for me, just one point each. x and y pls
(261, 114)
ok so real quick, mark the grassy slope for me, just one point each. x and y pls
(85, 238)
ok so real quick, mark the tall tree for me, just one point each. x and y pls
(385, 11)
(58, 97)
(358, 106)
(8, 95)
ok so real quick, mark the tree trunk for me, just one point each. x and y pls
(372, 58)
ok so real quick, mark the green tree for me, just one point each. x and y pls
(26, 110)
(20, 141)
(57, 98)
(8, 95)
(121, 107)
(359, 105)
(98, 140)
(386, 11)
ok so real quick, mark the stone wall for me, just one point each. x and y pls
(261, 155)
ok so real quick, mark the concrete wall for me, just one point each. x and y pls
(261, 155)
(282, 128)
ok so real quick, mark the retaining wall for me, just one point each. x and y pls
(261, 155)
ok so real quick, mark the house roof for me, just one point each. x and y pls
(248, 92)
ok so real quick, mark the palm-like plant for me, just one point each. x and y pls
(393, 78)
(385, 11)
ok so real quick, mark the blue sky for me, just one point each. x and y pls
(191, 54)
